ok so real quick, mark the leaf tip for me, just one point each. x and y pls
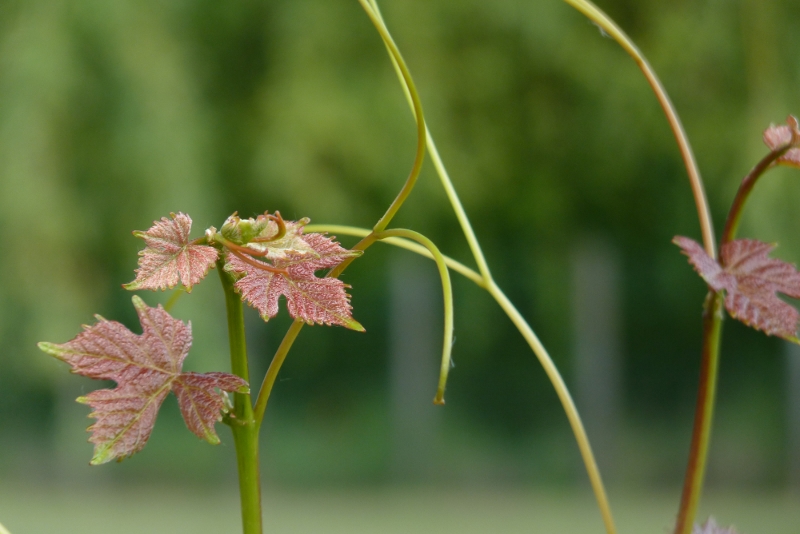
(138, 303)
(131, 286)
(103, 455)
(211, 438)
(49, 348)
(352, 324)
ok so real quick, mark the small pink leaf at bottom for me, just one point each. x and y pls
(201, 405)
(145, 368)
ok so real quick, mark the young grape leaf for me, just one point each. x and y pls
(262, 235)
(145, 367)
(711, 527)
(313, 299)
(751, 280)
(169, 257)
(777, 137)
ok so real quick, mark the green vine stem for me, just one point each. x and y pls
(441, 171)
(712, 330)
(703, 415)
(243, 425)
(566, 401)
(488, 283)
(384, 221)
(419, 158)
(597, 16)
(538, 349)
(447, 291)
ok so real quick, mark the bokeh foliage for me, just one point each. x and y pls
(113, 114)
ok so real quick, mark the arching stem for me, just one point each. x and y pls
(597, 16)
(447, 291)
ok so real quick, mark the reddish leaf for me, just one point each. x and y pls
(751, 280)
(777, 137)
(711, 527)
(169, 257)
(145, 367)
(297, 256)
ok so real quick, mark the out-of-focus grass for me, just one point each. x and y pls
(50, 510)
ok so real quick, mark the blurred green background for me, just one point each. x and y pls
(113, 114)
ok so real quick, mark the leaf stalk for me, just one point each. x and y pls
(745, 188)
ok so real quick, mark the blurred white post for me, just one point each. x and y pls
(793, 413)
(596, 275)
(415, 344)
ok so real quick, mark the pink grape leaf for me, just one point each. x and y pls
(751, 280)
(169, 257)
(777, 137)
(313, 299)
(145, 367)
(711, 527)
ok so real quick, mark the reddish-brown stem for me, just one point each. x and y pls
(244, 250)
(703, 416)
(258, 264)
(712, 329)
(749, 181)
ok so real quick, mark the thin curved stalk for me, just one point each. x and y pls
(746, 187)
(447, 292)
(272, 372)
(538, 349)
(597, 16)
(566, 401)
(418, 116)
(444, 176)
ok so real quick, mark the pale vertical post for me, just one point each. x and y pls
(596, 317)
(415, 325)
